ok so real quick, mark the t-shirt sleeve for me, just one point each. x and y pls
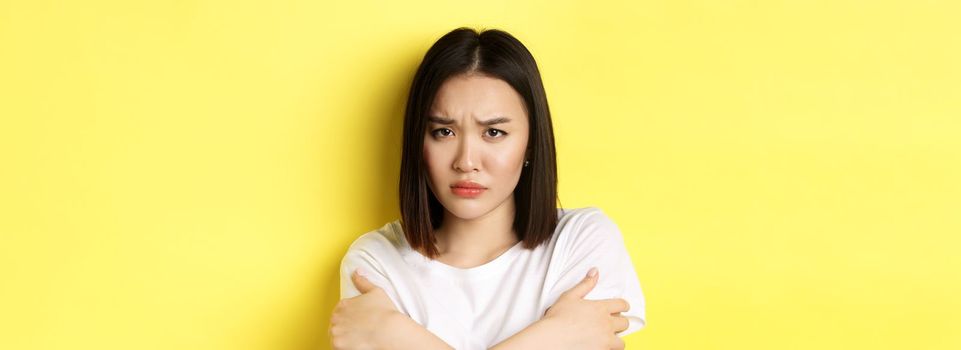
(376, 274)
(596, 241)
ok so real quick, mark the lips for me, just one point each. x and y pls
(468, 184)
(467, 189)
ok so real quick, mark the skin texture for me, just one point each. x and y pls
(477, 230)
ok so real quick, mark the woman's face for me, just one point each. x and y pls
(477, 132)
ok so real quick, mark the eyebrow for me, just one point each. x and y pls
(449, 121)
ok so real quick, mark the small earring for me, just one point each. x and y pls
(527, 162)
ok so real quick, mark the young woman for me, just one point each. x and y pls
(482, 257)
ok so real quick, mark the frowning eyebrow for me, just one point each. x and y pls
(449, 121)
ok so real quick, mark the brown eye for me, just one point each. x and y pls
(495, 132)
(444, 131)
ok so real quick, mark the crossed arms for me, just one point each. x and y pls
(370, 321)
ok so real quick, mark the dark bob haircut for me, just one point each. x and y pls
(497, 54)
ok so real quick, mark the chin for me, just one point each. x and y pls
(467, 209)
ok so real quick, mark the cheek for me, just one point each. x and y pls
(506, 162)
(427, 162)
(429, 153)
(429, 170)
(431, 161)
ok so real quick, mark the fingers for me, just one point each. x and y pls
(362, 284)
(619, 323)
(617, 343)
(615, 305)
(584, 286)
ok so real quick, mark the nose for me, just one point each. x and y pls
(464, 161)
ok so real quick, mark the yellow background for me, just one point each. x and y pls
(187, 174)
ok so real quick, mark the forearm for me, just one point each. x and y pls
(407, 334)
(543, 334)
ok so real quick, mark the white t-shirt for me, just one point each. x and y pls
(478, 307)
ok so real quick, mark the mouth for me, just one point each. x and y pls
(467, 189)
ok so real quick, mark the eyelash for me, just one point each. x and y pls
(501, 132)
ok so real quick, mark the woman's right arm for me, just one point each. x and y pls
(371, 321)
(574, 323)
(405, 333)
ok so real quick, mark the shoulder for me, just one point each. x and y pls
(586, 223)
(586, 231)
(377, 243)
(590, 213)
(377, 252)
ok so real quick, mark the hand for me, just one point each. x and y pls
(358, 322)
(589, 324)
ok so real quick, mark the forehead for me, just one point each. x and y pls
(478, 96)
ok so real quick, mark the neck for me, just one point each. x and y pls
(476, 241)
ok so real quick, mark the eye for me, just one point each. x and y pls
(444, 131)
(495, 132)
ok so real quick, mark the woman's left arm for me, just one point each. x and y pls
(598, 242)
(370, 321)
